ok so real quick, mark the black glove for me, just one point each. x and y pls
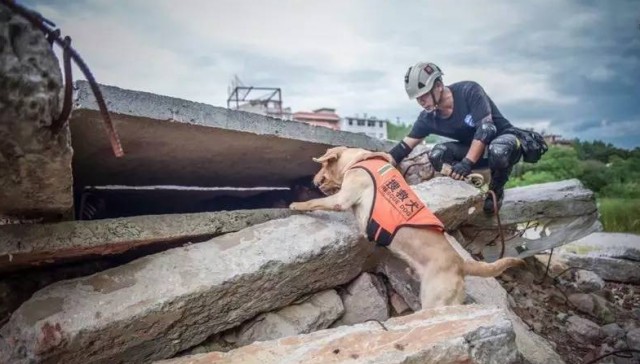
(400, 151)
(462, 168)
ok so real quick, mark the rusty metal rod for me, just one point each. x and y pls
(57, 124)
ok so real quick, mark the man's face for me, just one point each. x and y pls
(427, 102)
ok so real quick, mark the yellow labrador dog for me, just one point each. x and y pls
(426, 250)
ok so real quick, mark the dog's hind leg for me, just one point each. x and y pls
(443, 288)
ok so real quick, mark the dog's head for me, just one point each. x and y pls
(336, 162)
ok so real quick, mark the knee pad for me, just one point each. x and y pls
(486, 132)
(436, 156)
(504, 152)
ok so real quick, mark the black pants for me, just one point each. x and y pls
(502, 154)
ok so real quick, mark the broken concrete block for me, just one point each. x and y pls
(161, 304)
(587, 281)
(550, 214)
(613, 331)
(309, 314)
(364, 299)
(594, 306)
(610, 245)
(398, 304)
(35, 164)
(581, 330)
(17, 287)
(171, 141)
(454, 334)
(416, 167)
(453, 202)
(401, 278)
(613, 256)
(22, 246)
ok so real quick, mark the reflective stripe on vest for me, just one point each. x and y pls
(394, 204)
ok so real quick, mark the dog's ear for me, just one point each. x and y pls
(332, 153)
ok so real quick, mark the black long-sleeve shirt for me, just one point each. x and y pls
(470, 106)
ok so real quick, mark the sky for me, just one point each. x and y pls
(563, 66)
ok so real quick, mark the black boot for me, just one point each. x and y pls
(488, 201)
(498, 180)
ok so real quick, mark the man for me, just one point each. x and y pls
(464, 112)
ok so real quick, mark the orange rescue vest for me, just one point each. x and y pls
(394, 204)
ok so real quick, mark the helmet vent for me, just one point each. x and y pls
(421, 85)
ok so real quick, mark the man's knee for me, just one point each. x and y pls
(504, 152)
(437, 156)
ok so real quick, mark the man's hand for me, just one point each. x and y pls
(461, 169)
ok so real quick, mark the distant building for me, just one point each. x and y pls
(326, 117)
(258, 100)
(267, 109)
(370, 126)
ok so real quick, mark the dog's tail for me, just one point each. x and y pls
(482, 269)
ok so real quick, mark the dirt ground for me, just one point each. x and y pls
(544, 306)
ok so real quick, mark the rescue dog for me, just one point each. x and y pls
(424, 248)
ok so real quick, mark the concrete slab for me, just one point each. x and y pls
(453, 334)
(170, 141)
(23, 246)
(35, 164)
(159, 305)
(535, 218)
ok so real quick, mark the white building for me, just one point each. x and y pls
(370, 126)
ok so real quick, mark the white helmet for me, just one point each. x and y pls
(420, 78)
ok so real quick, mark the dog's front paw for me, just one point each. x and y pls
(296, 206)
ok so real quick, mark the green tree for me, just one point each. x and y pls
(557, 164)
(397, 132)
(594, 175)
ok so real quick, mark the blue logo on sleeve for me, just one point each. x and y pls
(469, 120)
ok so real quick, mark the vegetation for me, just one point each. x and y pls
(612, 173)
(399, 131)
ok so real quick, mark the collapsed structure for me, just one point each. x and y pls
(164, 275)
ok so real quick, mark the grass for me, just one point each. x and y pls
(620, 214)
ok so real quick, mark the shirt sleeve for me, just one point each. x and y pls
(421, 127)
(478, 104)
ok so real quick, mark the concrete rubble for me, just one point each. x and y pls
(416, 167)
(587, 281)
(612, 256)
(364, 299)
(454, 334)
(535, 218)
(582, 329)
(35, 163)
(40, 244)
(307, 314)
(161, 304)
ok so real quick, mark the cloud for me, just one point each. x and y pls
(560, 65)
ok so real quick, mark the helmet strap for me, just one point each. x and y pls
(436, 104)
